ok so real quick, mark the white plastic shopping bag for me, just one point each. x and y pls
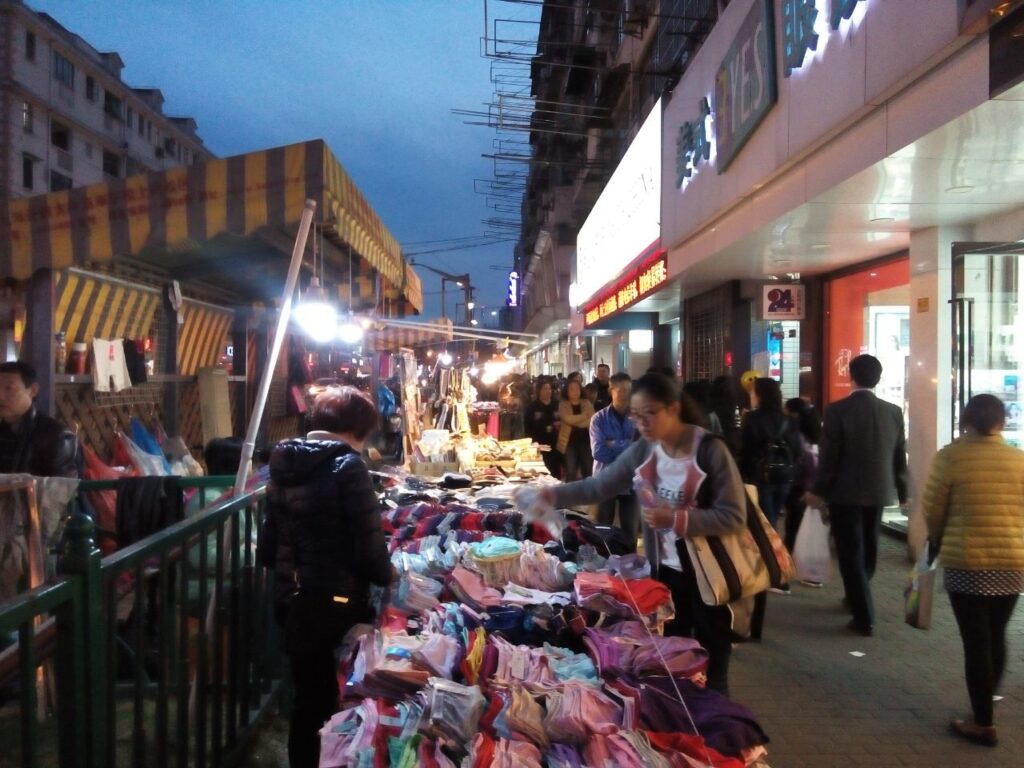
(811, 552)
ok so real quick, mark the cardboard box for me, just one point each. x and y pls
(433, 468)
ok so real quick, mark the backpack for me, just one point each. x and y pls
(775, 466)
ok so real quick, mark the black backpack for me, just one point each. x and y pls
(776, 466)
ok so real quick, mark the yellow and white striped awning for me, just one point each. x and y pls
(182, 207)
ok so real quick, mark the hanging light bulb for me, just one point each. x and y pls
(315, 315)
(444, 358)
(350, 332)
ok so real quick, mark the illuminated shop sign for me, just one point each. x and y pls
(513, 289)
(782, 302)
(806, 23)
(626, 219)
(694, 145)
(643, 281)
(745, 87)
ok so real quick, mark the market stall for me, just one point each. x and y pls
(510, 641)
(186, 264)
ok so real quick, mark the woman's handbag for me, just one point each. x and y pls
(740, 564)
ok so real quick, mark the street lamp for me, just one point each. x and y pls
(462, 281)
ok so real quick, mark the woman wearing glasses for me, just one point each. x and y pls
(662, 467)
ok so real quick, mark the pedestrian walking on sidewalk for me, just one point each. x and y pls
(974, 507)
(862, 467)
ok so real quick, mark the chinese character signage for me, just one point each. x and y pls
(782, 302)
(745, 89)
(693, 145)
(647, 278)
(798, 35)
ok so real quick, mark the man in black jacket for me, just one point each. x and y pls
(863, 461)
(31, 441)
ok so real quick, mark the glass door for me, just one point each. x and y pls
(988, 330)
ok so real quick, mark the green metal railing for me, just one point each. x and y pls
(139, 675)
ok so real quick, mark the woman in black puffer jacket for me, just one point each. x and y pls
(324, 541)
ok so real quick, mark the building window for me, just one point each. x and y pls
(59, 182)
(88, 148)
(90, 88)
(112, 105)
(60, 136)
(111, 164)
(30, 45)
(28, 120)
(63, 70)
(28, 171)
(130, 117)
(149, 131)
(142, 126)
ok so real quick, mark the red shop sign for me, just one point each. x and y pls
(643, 281)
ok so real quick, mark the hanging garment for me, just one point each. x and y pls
(135, 361)
(110, 372)
(146, 505)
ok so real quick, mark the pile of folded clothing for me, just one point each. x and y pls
(500, 651)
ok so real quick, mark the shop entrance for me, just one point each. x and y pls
(868, 312)
(988, 329)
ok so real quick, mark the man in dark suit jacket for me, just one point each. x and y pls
(863, 465)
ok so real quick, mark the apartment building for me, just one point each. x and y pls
(67, 119)
(600, 68)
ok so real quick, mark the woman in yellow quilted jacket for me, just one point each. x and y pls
(974, 507)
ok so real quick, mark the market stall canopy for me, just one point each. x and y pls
(228, 222)
(382, 337)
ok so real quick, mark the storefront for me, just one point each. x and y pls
(870, 154)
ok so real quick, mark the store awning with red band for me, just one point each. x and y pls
(225, 217)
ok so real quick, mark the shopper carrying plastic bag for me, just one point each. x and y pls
(920, 592)
(811, 553)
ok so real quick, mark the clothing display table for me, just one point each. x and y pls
(501, 646)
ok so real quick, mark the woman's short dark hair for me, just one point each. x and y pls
(985, 414)
(769, 394)
(568, 386)
(662, 389)
(345, 411)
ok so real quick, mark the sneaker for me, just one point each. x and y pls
(783, 590)
(979, 734)
(815, 584)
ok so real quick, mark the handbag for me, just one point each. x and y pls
(919, 594)
(741, 564)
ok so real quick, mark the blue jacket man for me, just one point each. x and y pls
(611, 433)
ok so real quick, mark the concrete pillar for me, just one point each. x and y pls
(930, 383)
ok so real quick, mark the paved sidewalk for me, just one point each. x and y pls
(824, 707)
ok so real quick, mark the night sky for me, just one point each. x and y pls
(377, 79)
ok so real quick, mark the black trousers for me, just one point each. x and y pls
(982, 620)
(856, 531)
(710, 625)
(313, 626)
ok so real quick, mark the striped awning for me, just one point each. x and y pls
(89, 307)
(383, 337)
(202, 336)
(177, 210)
